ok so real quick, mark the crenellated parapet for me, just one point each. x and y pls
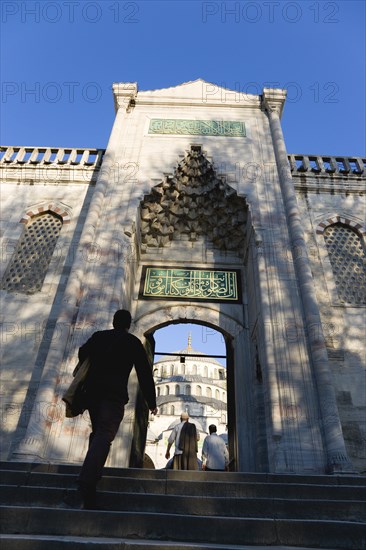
(326, 173)
(50, 165)
(54, 165)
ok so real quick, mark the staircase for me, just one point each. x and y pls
(170, 510)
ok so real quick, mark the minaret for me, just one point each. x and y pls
(189, 342)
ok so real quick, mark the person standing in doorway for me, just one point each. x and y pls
(112, 355)
(215, 456)
(184, 436)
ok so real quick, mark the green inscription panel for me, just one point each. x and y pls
(173, 126)
(190, 284)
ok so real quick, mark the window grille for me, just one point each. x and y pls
(347, 258)
(28, 266)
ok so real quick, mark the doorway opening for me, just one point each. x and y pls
(190, 373)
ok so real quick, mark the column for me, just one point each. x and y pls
(337, 459)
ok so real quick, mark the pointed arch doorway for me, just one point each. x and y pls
(240, 414)
(190, 376)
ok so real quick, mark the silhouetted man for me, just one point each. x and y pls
(112, 353)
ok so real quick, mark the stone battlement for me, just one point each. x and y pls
(49, 164)
(66, 164)
(326, 174)
(325, 165)
(51, 155)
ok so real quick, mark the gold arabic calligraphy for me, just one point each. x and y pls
(191, 283)
(227, 128)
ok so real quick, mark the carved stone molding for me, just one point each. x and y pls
(274, 100)
(212, 314)
(63, 211)
(125, 95)
(337, 218)
(191, 204)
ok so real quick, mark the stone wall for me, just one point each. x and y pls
(36, 181)
(338, 197)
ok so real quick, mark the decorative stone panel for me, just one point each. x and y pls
(347, 258)
(193, 203)
(28, 266)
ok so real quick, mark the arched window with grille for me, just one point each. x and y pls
(188, 389)
(347, 258)
(166, 390)
(177, 389)
(29, 264)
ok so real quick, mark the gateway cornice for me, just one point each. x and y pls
(198, 93)
(253, 103)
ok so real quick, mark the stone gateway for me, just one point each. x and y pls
(194, 213)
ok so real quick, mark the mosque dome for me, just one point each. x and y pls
(196, 385)
(191, 354)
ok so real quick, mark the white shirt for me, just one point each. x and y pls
(214, 452)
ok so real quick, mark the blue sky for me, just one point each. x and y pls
(60, 58)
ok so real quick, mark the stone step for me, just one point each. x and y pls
(44, 542)
(239, 477)
(183, 528)
(172, 510)
(195, 486)
(350, 510)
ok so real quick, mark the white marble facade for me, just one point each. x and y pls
(194, 177)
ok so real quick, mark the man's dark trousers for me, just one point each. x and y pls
(106, 417)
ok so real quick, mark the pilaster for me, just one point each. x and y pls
(337, 459)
